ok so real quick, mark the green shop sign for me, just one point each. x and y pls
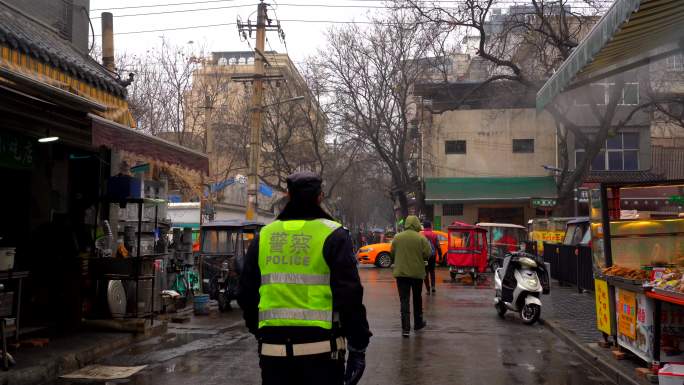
(543, 202)
(677, 200)
(16, 151)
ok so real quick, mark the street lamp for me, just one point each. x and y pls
(551, 168)
(289, 100)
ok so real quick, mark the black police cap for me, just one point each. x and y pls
(305, 182)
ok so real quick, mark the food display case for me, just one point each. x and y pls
(638, 253)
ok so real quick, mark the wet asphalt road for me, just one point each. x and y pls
(464, 343)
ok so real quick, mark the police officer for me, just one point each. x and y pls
(301, 294)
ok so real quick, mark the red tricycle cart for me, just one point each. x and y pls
(467, 251)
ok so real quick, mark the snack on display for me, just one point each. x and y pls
(672, 279)
(626, 272)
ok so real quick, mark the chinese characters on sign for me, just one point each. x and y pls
(627, 314)
(16, 151)
(602, 306)
(543, 202)
(635, 310)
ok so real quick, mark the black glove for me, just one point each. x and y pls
(356, 364)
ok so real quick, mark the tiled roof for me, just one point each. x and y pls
(623, 177)
(24, 34)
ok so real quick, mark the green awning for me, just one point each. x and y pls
(488, 189)
(629, 35)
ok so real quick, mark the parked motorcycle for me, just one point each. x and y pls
(518, 286)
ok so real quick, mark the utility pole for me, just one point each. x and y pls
(255, 121)
(263, 24)
(209, 134)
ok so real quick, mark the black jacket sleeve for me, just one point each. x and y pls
(250, 280)
(346, 287)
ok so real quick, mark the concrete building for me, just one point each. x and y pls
(218, 121)
(483, 156)
(485, 143)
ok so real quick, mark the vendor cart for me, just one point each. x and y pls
(502, 238)
(467, 250)
(638, 256)
(224, 246)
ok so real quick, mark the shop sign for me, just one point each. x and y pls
(641, 341)
(627, 313)
(602, 306)
(543, 202)
(16, 151)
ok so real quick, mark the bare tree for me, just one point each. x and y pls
(296, 135)
(370, 74)
(526, 45)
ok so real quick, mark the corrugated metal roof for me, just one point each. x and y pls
(622, 176)
(631, 32)
(668, 161)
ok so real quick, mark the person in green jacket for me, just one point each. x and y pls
(410, 251)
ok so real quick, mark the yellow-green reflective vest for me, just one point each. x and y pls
(295, 279)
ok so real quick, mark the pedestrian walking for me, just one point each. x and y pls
(301, 294)
(437, 251)
(410, 251)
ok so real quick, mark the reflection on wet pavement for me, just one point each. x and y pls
(464, 343)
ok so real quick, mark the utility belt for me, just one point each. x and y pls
(332, 346)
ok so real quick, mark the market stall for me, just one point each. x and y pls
(639, 263)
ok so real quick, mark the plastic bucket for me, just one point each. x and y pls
(201, 304)
(671, 374)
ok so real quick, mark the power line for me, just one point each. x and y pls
(503, 3)
(175, 29)
(160, 5)
(282, 20)
(229, 24)
(182, 11)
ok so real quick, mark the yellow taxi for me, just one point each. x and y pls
(378, 254)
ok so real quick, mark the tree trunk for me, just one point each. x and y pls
(403, 203)
(564, 206)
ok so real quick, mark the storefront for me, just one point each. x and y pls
(65, 128)
(639, 261)
(488, 199)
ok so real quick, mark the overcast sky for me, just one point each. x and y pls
(302, 38)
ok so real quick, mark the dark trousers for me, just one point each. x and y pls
(430, 276)
(305, 370)
(406, 286)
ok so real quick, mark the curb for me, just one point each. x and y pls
(604, 366)
(50, 369)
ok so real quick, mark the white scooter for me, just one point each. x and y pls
(519, 292)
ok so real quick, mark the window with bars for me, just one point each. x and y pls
(620, 152)
(675, 62)
(452, 209)
(455, 147)
(523, 146)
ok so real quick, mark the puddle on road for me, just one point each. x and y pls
(169, 341)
